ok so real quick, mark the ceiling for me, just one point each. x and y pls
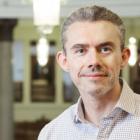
(23, 8)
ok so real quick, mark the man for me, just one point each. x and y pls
(93, 54)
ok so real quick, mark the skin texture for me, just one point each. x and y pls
(94, 59)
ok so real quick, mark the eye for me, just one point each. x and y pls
(80, 51)
(105, 49)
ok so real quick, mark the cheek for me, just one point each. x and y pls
(114, 69)
(74, 70)
(74, 65)
(74, 77)
(112, 64)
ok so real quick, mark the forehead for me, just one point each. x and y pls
(92, 32)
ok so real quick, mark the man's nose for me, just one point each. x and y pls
(94, 58)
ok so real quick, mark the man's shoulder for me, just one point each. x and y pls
(137, 98)
(137, 101)
(135, 104)
(59, 124)
(67, 115)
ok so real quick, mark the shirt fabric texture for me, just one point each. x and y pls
(123, 123)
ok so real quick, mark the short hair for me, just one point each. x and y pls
(92, 14)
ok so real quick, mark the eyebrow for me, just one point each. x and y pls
(105, 43)
(79, 45)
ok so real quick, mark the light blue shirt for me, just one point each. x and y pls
(123, 123)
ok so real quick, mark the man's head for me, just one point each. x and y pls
(94, 53)
(93, 14)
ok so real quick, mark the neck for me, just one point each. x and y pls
(100, 106)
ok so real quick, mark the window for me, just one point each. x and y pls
(42, 77)
(18, 69)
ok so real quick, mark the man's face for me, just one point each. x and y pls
(94, 57)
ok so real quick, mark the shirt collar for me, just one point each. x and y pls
(127, 99)
(126, 102)
(79, 113)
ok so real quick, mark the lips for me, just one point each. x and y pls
(94, 75)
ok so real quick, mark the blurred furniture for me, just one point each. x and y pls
(28, 130)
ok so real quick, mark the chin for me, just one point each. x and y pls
(96, 92)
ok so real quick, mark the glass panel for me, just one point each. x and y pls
(42, 77)
(18, 68)
(70, 91)
(136, 83)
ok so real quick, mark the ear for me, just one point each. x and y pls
(62, 60)
(125, 57)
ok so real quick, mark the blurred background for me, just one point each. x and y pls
(33, 89)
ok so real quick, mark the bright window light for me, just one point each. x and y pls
(46, 12)
(42, 51)
(133, 50)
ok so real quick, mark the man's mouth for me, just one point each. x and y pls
(94, 75)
